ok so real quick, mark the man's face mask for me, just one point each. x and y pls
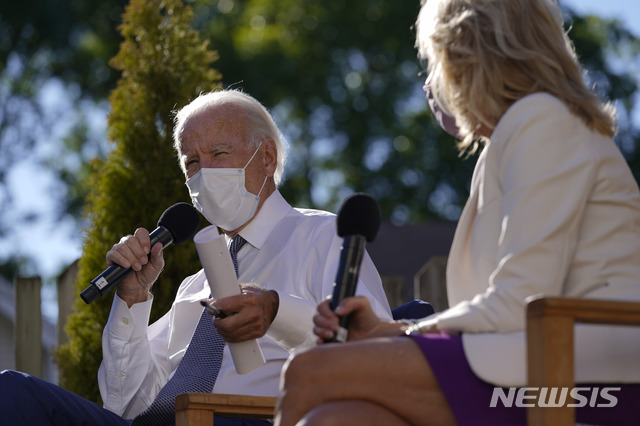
(221, 196)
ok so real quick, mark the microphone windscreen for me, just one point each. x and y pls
(359, 214)
(182, 220)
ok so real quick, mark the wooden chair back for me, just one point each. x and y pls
(550, 336)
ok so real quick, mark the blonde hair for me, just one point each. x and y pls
(484, 55)
(260, 123)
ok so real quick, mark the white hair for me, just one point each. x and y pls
(260, 123)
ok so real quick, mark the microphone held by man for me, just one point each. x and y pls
(176, 225)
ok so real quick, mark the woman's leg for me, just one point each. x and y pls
(388, 372)
(349, 413)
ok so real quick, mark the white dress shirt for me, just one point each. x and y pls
(293, 251)
(554, 210)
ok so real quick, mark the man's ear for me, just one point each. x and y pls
(270, 157)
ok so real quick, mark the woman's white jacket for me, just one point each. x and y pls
(553, 210)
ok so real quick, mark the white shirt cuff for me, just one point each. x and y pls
(129, 323)
(293, 323)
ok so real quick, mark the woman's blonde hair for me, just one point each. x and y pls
(484, 55)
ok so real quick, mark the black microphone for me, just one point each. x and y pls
(176, 225)
(358, 223)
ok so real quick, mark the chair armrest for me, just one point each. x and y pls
(591, 311)
(550, 357)
(193, 409)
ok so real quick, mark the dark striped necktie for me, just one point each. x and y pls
(198, 369)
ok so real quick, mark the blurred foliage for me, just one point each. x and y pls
(341, 76)
(611, 55)
(69, 39)
(52, 49)
(164, 64)
(343, 80)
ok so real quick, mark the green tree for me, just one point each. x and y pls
(164, 65)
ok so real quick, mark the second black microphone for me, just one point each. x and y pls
(358, 222)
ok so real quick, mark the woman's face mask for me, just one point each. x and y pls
(221, 196)
(447, 122)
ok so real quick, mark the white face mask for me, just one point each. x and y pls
(221, 196)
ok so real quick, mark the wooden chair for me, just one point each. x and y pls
(550, 326)
(196, 409)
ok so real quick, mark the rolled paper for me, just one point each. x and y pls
(221, 275)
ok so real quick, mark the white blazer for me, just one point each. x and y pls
(553, 210)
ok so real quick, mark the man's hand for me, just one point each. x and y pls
(249, 315)
(134, 251)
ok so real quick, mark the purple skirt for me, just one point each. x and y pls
(470, 398)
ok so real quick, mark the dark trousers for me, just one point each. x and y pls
(29, 401)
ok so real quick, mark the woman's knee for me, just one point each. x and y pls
(300, 366)
(351, 412)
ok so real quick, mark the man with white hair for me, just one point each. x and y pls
(233, 156)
